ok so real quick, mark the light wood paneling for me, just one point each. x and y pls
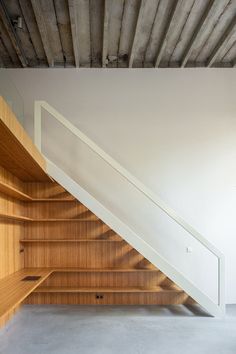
(85, 261)
(91, 263)
(18, 154)
(11, 259)
(141, 298)
(11, 231)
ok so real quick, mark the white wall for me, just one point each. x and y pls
(174, 129)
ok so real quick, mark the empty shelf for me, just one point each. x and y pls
(15, 217)
(13, 192)
(16, 193)
(68, 220)
(67, 240)
(63, 289)
(103, 270)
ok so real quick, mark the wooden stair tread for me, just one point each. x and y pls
(64, 289)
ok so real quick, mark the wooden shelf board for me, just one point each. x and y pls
(103, 270)
(16, 193)
(58, 289)
(13, 192)
(67, 240)
(94, 270)
(14, 217)
(53, 200)
(64, 220)
(25, 218)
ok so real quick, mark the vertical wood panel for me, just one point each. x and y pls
(11, 260)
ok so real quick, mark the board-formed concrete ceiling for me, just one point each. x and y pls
(118, 33)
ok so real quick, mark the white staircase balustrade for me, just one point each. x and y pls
(131, 209)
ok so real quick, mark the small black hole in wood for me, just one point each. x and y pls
(31, 278)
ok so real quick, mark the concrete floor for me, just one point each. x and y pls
(65, 329)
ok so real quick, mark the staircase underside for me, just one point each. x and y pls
(91, 263)
(46, 231)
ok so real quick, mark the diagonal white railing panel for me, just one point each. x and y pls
(147, 197)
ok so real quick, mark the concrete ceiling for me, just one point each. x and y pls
(118, 33)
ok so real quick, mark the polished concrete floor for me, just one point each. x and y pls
(65, 329)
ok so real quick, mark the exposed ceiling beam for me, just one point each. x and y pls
(136, 34)
(25, 9)
(1, 63)
(12, 34)
(4, 47)
(38, 12)
(196, 34)
(107, 5)
(234, 63)
(74, 30)
(90, 32)
(222, 42)
(161, 48)
(123, 5)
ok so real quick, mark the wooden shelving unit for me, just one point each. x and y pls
(93, 267)
(15, 288)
